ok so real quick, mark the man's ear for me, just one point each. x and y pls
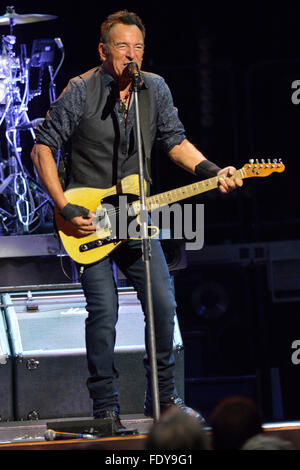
(102, 48)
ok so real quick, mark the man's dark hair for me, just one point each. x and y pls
(123, 17)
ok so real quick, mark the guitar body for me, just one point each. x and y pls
(94, 247)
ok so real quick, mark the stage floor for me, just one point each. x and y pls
(29, 435)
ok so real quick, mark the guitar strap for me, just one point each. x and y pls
(144, 107)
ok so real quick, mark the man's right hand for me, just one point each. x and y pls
(80, 217)
(84, 224)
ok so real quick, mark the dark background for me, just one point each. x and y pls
(230, 68)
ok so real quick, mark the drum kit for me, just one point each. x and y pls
(24, 205)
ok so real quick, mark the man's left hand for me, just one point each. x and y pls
(226, 183)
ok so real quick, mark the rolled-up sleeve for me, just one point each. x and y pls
(170, 130)
(63, 116)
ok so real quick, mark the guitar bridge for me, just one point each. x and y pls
(101, 219)
(96, 244)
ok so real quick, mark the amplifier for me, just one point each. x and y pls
(47, 333)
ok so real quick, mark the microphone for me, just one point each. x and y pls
(51, 435)
(134, 72)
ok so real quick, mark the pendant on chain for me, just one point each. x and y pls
(124, 106)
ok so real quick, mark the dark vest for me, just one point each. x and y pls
(99, 155)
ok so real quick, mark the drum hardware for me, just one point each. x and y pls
(24, 205)
(42, 57)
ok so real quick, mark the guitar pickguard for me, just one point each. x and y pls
(116, 222)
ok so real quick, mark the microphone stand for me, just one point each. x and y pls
(146, 255)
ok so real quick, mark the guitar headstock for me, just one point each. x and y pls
(262, 168)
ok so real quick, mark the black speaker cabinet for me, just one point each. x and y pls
(47, 332)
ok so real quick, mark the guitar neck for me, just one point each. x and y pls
(178, 194)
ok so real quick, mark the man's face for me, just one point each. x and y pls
(125, 45)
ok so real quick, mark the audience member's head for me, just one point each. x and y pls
(265, 442)
(233, 422)
(176, 430)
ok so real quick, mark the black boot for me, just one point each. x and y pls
(175, 401)
(111, 414)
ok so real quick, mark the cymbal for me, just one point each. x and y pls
(15, 18)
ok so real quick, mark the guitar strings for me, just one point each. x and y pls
(129, 206)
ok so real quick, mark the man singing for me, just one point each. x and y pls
(95, 115)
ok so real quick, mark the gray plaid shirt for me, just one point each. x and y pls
(65, 113)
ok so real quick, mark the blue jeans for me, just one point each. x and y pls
(102, 306)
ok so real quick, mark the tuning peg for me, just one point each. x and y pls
(263, 161)
(269, 161)
(251, 161)
(274, 160)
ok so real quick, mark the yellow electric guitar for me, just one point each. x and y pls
(117, 211)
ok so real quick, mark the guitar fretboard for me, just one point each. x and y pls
(185, 192)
